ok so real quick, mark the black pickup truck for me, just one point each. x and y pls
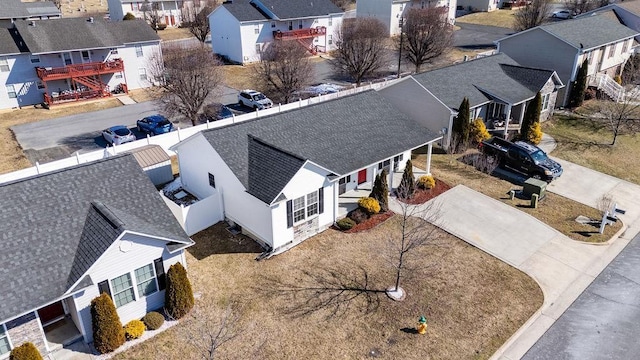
(522, 157)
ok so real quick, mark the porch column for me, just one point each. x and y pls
(506, 121)
(523, 105)
(429, 150)
(391, 173)
(335, 200)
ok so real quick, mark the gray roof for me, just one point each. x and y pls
(16, 9)
(482, 80)
(54, 226)
(589, 31)
(243, 10)
(7, 43)
(341, 135)
(291, 9)
(56, 35)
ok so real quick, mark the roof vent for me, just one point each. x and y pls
(32, 23)
(90, 19)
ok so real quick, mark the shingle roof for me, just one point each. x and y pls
(7, 43)
(56, 35)
(482, 79)
(243, 10)
(589, 31)
(44, 8)
(288, 9)
(631, 6)
(16, 9)
(54, 226)
(341, 135)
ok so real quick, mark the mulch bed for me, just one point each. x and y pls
(372, 222)
(421, 196)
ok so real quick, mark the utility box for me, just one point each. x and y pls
(534, 186)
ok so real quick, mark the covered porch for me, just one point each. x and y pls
(58, 327)
(500, 118)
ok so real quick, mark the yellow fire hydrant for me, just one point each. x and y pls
(422, 325)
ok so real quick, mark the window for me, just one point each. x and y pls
(34, 59)
(114, 51)
(145, 278)
(5, 346)
(212, 180)
(330, 21)
(139, 51)
(290, 25)
(122, 290)
(545, 102)
(625, 46)
(329, 39)
(85, 56)
(384, 164)
(118, 76)
(142, 73)
(612, 50)
(4, 65)
(298, 209)
(258, 47)
(312, 204)
(299, 24)
(67, 58)
(273, 24)
(590, 57)
(306, 206)
(11, 91)
(256, 29)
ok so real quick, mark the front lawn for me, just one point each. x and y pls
(472, 301)
(499, 17)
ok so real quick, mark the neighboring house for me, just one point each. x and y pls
(498, 88)
(12, 10)
(390, 12)
(286, 177)
(626, 12)
(563, 45)
(169, 12)
(478, 5)
(73, 59)
(68, 236)
(242, 29)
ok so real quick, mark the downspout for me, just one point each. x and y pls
(571, 78)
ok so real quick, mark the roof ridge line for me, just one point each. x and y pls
(108, 215)
(528, 67)
(263, 142)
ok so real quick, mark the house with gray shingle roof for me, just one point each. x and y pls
(71, 59)
(171, 13)
(564, 45)
(498, 88)
(626, 12)
(390, 12)
(12, 10)
(285, 177)
(242, 29)
(69, 235)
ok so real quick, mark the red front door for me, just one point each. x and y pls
(51, 312)
(362, 176)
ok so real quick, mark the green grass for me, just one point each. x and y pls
(586, 141)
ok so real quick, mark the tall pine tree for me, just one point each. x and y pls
(461, 126)
(380, 190)
(580, 85)
(408, 183)
(531, 117)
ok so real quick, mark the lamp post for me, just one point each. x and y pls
(401, 44)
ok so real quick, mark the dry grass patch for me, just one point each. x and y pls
(500, 17)
(473, 302)
(585, 141)
(11, 155)
(174, 34)
(240, 76)
(554, 210)
(146, 94)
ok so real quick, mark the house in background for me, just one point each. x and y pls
(68, 236)
(478, 5)
(563, 46)
(242, 29)
(390, 12)
(498, 88)
(626, 12)
(286, 177)
(12, 10)
(170, 12)
(72, 59)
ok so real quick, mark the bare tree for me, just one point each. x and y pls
(197, 19)
(631, 71)
(207, 329)
(427, 35)
(284, 69)
(623, 115)
(150, 13)
(583, 6)
(188, 75)
(532, 14)
(57, 3)
(361, 47)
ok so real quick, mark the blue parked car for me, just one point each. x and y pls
(154, 125)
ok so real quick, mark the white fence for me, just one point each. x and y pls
(174, 137)
(198, 216)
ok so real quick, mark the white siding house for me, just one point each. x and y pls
(170, 12)
(288, 176)
(242, 29)
(93, 58)
(81, 241)
(390, 12)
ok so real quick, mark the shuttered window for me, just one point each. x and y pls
(146, 280)
(122, 290)
(305, 207)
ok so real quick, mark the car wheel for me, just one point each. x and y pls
(554, 16)
(241, 103)
(537, 176)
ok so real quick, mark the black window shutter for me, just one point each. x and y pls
(103, 287)
(162, 281)
(321, 200)
(289, 214)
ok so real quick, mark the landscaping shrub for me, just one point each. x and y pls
(590, 93)
(576, 96)
(407, 184)
(426, 182)
(370, 205)
(129, 16)
(479, 131)
(108, 333)
(178, 297)
(461, 126)
(535, 133)
(26, 351)
(618, 79)
(531, 117)
(153, 320)
(345, 224)
(134, 329)
(358, 215)
(380, 190)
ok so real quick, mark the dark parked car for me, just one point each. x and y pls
(522, 157)
(118, 134)
(213, 112)
(154, 125)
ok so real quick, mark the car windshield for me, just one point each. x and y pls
(259, 97)
(122, 132)
(539, 156)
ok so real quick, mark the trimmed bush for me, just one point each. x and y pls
(129, 16)
(618, 79)
(134, 329)
(153, 320)
(370, 205)
(345, 224)
(380, 190)
(479, 131)
(178, 297)
(535, 133)
(426, 182)
(358, 215)
(26, 351)
(407, 184)
(108, 333)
